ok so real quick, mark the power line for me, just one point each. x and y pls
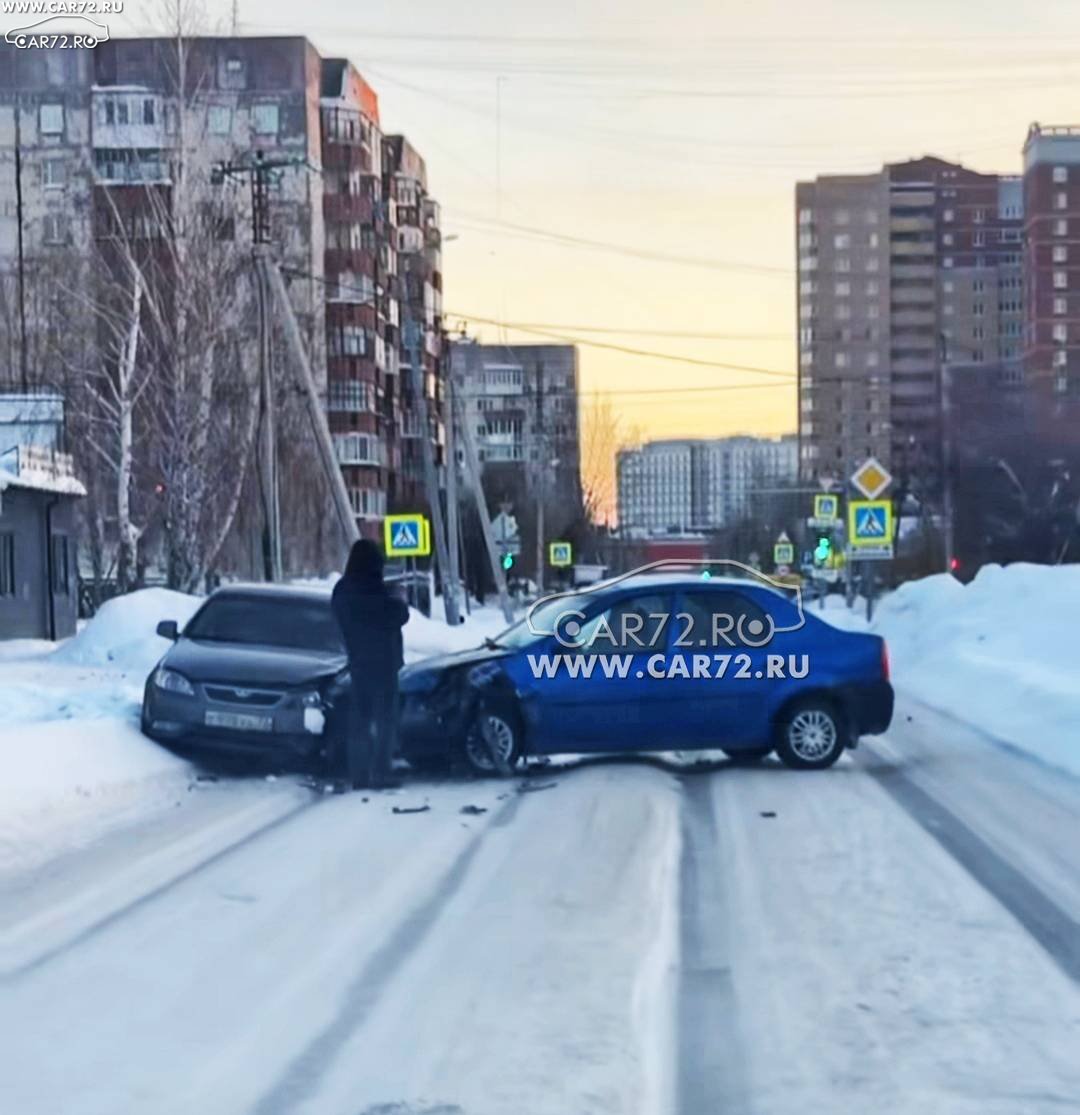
(673, 333)
(622, 249)
(627, 349)
(674, 358)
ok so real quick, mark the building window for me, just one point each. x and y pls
(842, 241)
(841, 360)
(806, 216)
(61, 574)
(53, 173)
(978, 239)
(7, 564)
(264, 118)
(1061, 358)
(842, 264)
(1061, 306)
(842, 289)
(841, 216)
(947, 239)
(872, 263)
(948, 215)
(1060, 332)
(871, 216)
(978, 216)
(1061, 253)
(219, 120)
(51, 119)
(148, 111)
(1061, 227)
(1061, 280)
(871, 359)
(947, 261)
(871, 288)
(1061, 174)
(1061, 200)
(843, 312)
(53, 228)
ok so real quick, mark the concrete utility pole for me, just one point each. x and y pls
(268, 464)
(431, 480)
(472, 464)
(323, 442)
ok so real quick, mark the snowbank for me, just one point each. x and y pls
(67, 781)
(1002, 652)
(122, 632)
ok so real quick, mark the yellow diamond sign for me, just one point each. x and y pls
(871, 478)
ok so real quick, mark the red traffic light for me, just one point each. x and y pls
(954, 564)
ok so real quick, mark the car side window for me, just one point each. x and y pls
(720, 620)
(635, 623)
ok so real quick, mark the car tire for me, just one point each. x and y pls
(811, 734)
(748, 757)
(504, 728)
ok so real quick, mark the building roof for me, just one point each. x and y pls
(39, 470)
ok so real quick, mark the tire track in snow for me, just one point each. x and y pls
(301, 1078)
(709, 1072)
(1044, 920)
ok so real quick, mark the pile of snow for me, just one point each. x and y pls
(1002, 652)
(122, 633)
(426, 637)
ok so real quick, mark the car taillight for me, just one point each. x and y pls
(885, 659)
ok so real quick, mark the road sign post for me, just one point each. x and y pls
(870, 529)
(560, 554)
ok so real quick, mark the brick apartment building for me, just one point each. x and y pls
(900, 272)
(355, 231)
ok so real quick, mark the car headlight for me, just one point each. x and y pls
(484, 673)
(173, 682)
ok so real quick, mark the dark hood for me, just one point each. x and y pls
(440, 662)
(251, 665)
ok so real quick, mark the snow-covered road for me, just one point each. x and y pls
(899, 934)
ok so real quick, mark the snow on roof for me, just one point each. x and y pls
(42, 482)
(39, 470)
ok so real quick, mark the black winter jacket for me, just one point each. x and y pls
(370, 620)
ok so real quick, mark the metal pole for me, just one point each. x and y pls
(945, 383)
(472, 463)
(323, 442)
(541, 478)
(453, 530)
(427, 453)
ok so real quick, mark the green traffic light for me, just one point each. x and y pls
(824, 549)
(508, 561)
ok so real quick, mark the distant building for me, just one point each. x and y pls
(693, 484)
(39, 590)
(521, 402)
(898, 271)
(1052, 275)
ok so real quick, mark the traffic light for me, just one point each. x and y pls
(507, 561)
(823, 549)
(954, 564)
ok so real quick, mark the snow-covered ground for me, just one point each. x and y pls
(74, 761)
(1002, 653)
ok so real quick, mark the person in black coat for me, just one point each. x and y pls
(370, 619)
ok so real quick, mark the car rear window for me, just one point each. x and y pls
(265, 621)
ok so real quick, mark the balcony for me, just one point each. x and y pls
(349, 209)
(359, 449)
(905, 249)
(918, 223)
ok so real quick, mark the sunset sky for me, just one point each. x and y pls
(675, 130)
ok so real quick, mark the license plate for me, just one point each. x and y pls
(240, 721)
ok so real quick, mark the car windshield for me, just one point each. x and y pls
(542, 619)
(264, 621)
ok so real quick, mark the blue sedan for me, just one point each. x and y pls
(661, 662)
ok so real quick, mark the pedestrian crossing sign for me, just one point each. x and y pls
(560, 554)
(870, 524)
(407, 536)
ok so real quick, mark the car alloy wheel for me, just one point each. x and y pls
(491, 743)
(812, 735)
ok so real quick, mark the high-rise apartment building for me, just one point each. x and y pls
(692, 484)
(1052, 276)
(900, 273)
(351, 222)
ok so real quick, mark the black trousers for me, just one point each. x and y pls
(371, 736)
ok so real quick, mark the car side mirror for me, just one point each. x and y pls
(167, 629)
